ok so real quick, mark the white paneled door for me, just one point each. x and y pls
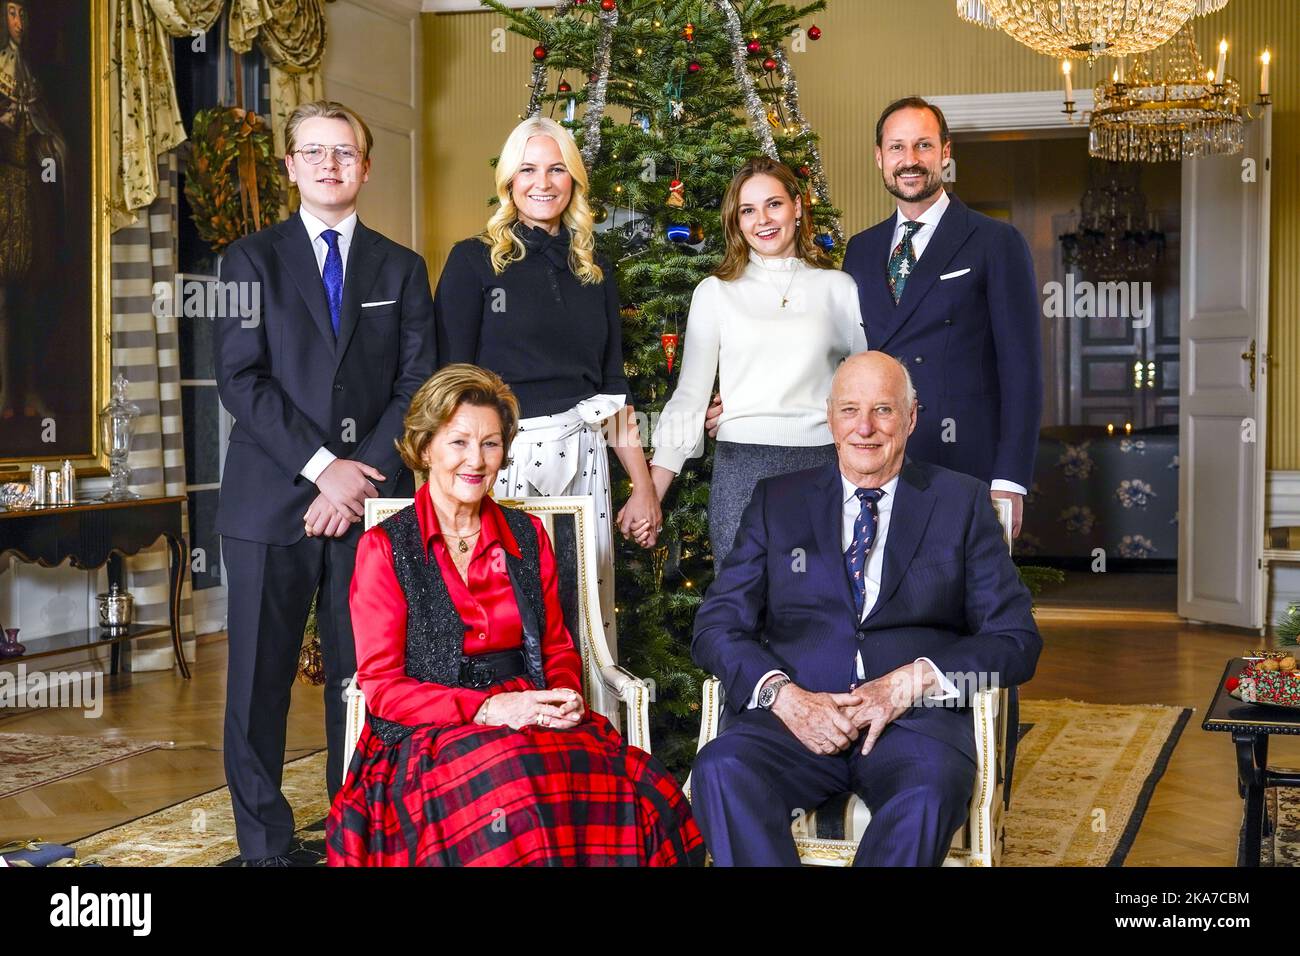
(1224, 342)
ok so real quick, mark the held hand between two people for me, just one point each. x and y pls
(641, 519)
(558, 709)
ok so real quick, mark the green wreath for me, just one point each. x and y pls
(232, 179)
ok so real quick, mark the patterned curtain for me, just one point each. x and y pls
(147, 351)
(144, 116)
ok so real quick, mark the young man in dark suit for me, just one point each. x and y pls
(318, 381)
(951, 293)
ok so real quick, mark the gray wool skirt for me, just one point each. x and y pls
(737, 468)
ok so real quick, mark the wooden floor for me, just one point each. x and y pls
(1192, 821)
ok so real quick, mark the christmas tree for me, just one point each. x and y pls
(667, 100)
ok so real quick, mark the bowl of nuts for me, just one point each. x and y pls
(1269, 677)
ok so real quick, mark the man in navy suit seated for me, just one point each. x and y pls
(862, 605)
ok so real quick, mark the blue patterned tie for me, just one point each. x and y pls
(333, 276)
(902, 260)
(864, 533)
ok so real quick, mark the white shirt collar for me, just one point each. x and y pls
(777, 263)
(850, 490)
(315, 227)
(931, 216)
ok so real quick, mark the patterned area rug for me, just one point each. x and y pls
(1084, 775)
(33, 760)
(1282, 846)
(201, 831)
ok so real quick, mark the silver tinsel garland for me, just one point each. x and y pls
(539, 69)
(790, 94)
(740, 63)
(596, 96)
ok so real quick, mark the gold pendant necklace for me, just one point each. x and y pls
(461, 546)
(785, 296)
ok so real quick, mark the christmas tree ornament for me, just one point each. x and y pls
(539, 53)
(825, 240)
(754, 47)
(669, 340)
(814, 32)
(693, 66)
(677, 109)
(697, 233)
(608, 5)
(769, 64)
(805, 171)
(599, 213)
(773, 120)
(679, 233)
(564, 87)
(676, 194)
(688, 32)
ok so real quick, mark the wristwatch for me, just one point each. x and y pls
(767, 696)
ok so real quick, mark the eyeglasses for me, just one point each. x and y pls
(314, 153)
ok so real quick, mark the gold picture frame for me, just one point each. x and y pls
(88, 323)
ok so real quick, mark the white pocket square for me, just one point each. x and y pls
(953, 275)
(371, 305)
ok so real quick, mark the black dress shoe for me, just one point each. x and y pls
(270, 861)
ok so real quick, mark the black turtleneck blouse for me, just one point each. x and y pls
(553, 339)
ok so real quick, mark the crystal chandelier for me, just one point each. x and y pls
(1114, 238)
(1087, 28)
(1171, 108)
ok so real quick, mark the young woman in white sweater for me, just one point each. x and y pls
(772, 323)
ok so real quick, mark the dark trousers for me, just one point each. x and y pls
(270, 592)
(755, 777)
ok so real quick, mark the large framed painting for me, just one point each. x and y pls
(55, 289)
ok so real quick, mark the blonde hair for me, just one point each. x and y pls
(500, 236)
(327, 109)
(436, 401)
(736, 254)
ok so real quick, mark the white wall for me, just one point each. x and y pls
(372, 64)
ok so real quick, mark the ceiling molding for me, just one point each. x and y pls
(473, 6)
(1041, 109)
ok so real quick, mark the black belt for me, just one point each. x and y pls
(484, 670)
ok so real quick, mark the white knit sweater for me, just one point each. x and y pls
(774, 364)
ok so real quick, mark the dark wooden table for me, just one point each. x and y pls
(1251, 725)
(92, 534)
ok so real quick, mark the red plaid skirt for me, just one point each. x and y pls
(493, 796)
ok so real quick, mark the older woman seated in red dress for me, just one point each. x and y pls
(478, 748)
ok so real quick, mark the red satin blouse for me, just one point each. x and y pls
(486, 603)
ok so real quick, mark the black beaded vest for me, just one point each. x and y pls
(435, 631)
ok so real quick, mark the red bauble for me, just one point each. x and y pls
(1230, 684)
(814, 32)
(753, 46)
(769, 64)
(693, 67)
(539, 52)
(607, 5)
(564, 87)
(669, 342)
(805, 171)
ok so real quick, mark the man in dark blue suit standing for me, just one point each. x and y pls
(318, 381)
(860, 606)
(951, 293)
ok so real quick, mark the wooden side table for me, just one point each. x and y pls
(1251, 725)
(92, 534)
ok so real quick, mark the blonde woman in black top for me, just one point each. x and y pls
(531, 300)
